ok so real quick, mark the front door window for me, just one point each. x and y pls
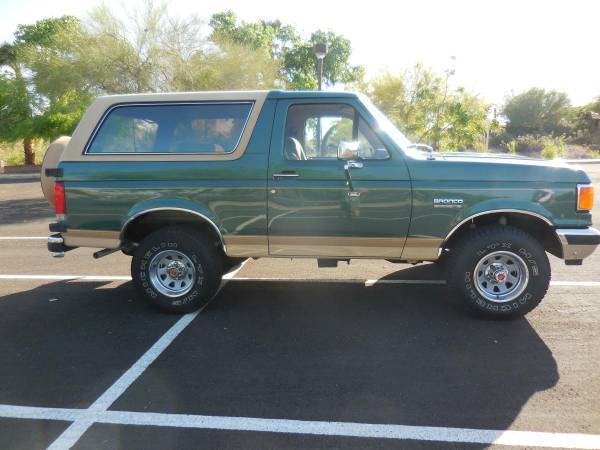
(316, 131)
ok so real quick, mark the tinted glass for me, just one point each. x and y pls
(173, 128)
(317, 131)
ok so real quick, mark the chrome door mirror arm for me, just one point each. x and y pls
(351, 164)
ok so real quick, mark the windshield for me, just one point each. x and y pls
(388, 127)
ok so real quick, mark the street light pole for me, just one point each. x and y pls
(320, 51)
(489, 128)
(320, 72)
(450, 71)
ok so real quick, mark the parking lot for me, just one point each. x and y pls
(366, 355)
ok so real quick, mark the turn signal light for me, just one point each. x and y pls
(60, 201)
(585, 197)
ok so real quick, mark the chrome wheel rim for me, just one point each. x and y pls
(172, 273)
(501, 276)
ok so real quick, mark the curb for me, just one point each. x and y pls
(582, 161)
(10, 176)
(6, 169)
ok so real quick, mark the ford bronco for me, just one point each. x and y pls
(191, 184)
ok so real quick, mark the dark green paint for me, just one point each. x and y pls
(317, 202)
(237, 196)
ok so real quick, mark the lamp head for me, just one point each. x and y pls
(320, 50)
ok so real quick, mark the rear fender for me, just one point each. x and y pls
(173, 204)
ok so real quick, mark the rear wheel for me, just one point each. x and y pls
(176, 270)
(500, 271)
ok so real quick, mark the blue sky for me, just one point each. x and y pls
(499, 45)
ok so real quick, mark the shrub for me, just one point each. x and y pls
(511, 147)
(529, 145)
(553, 148)
(12, 152)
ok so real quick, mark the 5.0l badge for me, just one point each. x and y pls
(448, 202)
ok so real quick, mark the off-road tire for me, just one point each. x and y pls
(206, 265)
(474, 246)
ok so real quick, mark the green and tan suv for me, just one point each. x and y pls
(190, 184)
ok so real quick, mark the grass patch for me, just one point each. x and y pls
(12, 152)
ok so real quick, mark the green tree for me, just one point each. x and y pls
(156, 52)
(583, 116)
(538, 112)
(141, 54)
(231, 66)
(272, 36)
(585, 124)
(300, 66)
(420, 102)
(25, 111)
(289, 50)
(55, 67)
(15, 102)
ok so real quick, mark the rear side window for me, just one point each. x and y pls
(205, 128)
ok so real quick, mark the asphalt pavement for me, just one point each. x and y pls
(286, 356)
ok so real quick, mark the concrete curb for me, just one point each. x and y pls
(9, 176)
(582, 161)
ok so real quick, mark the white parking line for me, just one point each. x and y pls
(34, 412)
(333, 280)
(575, 283)
(37, 413)
(83, 419)
(319, 428)
(71, 435)
(230, 276)
(66, 277)
(363, 430)
(23, 238)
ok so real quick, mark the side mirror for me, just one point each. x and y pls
(348, 150)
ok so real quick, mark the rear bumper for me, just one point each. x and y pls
(56, 244)
(577, 244)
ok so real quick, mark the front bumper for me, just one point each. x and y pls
(577, 244)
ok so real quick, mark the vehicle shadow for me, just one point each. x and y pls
(395, 354)
(64, 343)
(24, 210)
(423, 271)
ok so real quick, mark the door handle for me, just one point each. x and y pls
(354, 165)
(285, 174)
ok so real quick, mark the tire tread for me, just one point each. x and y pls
(455, 265)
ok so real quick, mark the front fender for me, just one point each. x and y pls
(501, 205)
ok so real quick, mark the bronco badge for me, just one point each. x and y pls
(448, 202)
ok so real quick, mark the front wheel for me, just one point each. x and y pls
(501, 271)
(176, 270)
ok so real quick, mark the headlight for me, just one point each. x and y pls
(585, 197)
